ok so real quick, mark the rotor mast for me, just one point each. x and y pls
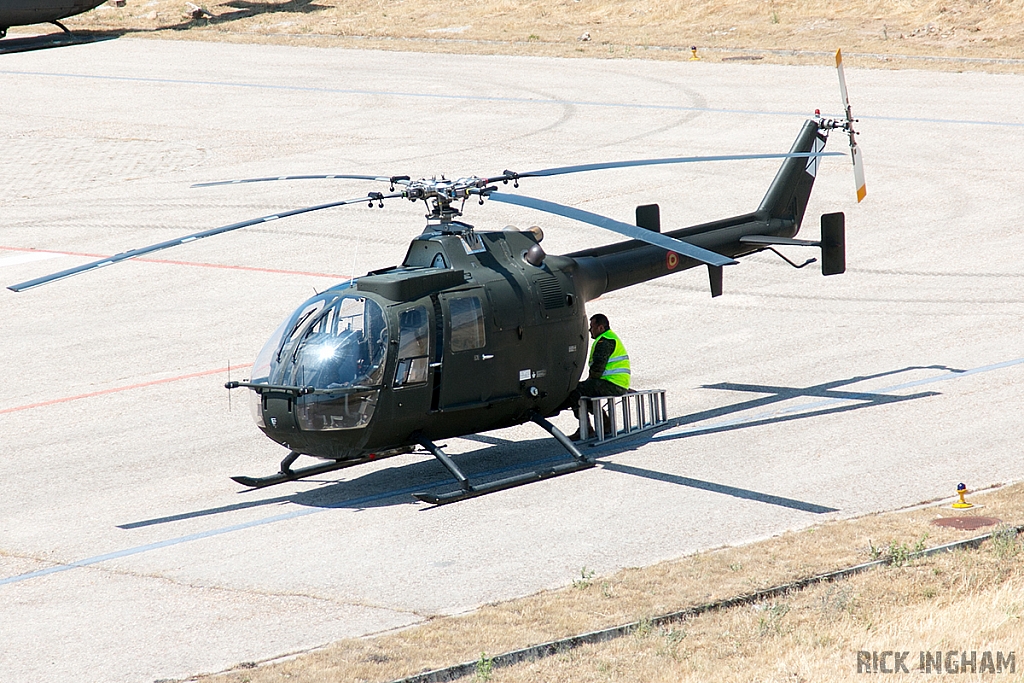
(440, 196)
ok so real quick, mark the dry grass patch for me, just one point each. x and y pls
(816, 632)
(969, 601)
(652, 29)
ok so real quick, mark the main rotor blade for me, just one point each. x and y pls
(580, 168)
(637, 233)
(132, 253)
(331, 176)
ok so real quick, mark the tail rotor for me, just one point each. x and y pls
(858, 161)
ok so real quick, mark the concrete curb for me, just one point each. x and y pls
(561, 645)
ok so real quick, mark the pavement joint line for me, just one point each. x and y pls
(947, 376)
(177, 263)
(562, 645)
(483, 98)
(115, 390)
(246, 591)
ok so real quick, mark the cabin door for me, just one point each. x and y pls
(469, 369)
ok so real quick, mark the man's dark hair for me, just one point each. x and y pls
(600, 319)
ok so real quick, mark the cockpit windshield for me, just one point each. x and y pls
(340, 345)
(337, 344)
(332, 341)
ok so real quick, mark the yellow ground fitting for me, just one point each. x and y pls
(693, 50)
(962, 504)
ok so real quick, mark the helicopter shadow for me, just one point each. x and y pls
(826, 398)
(395, 485)
(240, 9)
(52, 40)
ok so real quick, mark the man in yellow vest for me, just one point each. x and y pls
(609, 369)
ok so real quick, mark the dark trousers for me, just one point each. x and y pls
(588, 388)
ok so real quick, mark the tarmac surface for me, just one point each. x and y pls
(126, 553)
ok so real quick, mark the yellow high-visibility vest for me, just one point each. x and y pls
(617, 369)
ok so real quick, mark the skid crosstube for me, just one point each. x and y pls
(579, 462)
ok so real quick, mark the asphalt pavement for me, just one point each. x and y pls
(127, 553)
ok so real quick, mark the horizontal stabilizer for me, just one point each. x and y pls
(771, 240)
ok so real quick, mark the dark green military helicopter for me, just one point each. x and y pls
(480, 330)
(26, 12)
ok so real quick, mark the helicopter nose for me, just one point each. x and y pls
(276, 412)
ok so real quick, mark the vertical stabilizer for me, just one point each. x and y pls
(787, 197)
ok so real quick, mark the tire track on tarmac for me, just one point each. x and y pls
(484, 98)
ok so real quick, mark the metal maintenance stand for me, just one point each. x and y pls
(630, 413)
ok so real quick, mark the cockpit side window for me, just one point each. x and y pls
(467, 323)
(413, 347)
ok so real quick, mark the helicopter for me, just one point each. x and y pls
(480, 330)
(27, 12)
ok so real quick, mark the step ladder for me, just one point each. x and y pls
(630, 413)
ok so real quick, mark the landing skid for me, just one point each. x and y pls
(288, 474)
(468, 490)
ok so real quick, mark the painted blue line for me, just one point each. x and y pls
(152, 546)
(354, 502)
(482, 98)
(955, 122)
(833, 401)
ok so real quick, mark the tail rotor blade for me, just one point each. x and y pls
(842, 85)
(858, 172)
(858, 161)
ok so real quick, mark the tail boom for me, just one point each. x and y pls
(780, 214)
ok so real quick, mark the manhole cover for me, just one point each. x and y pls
(966, 523)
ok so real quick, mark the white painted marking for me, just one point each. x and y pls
(26, 258)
